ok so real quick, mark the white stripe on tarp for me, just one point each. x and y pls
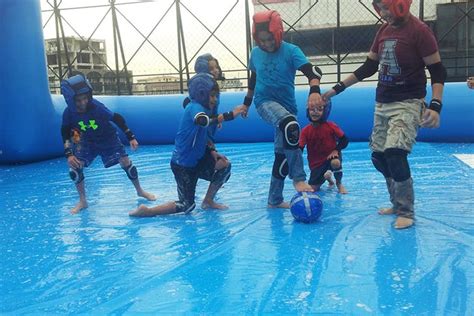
(468, 159)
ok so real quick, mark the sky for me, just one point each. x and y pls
(145, 14)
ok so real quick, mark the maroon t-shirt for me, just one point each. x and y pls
(321, 141)
(401, 51)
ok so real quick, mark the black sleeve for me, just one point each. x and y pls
(186, 101)
(368, 68)
(342, 143)
(252, 80)
(120, 122)
(65, 132)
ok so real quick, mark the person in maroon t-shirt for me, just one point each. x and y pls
(402, 48)
(325, 140)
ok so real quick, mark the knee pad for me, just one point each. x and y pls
(291, 132)
(221, 176)
(183, 207)
(397, 163)
(380, 163)
(280, 166)
(131, 171)
(77, 175)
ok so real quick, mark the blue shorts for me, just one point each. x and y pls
(110, 152)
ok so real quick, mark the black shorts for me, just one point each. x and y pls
(317, 174)
(186, 178)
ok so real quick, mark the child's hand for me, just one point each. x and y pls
(134, 144)
(333, 154)
(328, 94)
(430, 119)
(73, 162)
(239, 110)
(245, 111)
(470, 82)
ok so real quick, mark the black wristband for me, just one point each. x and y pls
(248, 101)
(435, 105)
(228, 116)
(315, 89)
(68, 152)
(130, 135)
(339, 87)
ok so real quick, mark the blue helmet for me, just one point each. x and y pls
(74, 86)
(200, 87)
(326, 112)
(202, 65)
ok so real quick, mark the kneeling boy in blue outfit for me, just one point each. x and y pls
(192, 158)
(94, 135)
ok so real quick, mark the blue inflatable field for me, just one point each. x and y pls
(245, 260)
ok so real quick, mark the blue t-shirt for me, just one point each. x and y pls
(191, 139)
(93, 125)
(276, 74)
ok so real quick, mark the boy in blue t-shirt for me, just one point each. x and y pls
(192, 158)
(88, 121)
(273, 64)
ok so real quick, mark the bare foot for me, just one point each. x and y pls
(80, 206)
(386, 211)
(141, 211)
(328, 177)
(146, 195)
(302, 186)
(206, 205)
(403, 222)
(342, 189)
(281, 205)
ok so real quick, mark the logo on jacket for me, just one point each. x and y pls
(84, 127)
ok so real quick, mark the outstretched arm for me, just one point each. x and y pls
(367, 69)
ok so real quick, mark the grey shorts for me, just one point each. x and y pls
(396, 124)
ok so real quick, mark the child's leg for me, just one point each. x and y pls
(316, 178)
(286, 140)
(336, 167)
(186, 180)
(277, 183)
(163, 209)
(82, 204)
(219, 172)
(132, 174)
(328, 177)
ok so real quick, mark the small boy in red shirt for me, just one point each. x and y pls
(325, 140)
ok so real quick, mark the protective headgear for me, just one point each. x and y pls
(399, 8)
(200, 87)
(74, 86)
(324, 117)
(202, 65)
(269, 21)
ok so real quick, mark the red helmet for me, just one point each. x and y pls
(272, 23)
(399, 8)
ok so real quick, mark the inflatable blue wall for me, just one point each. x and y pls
(30, 117)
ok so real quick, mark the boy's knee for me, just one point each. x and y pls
(77, 175)
(335, 163)
(291, 132)
(222, 163)
(221, 176)
(397, 163)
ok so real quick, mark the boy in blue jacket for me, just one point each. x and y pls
(193, 158)
(90, 122)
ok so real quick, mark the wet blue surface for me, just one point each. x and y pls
(244, 260)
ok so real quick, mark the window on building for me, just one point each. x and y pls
(84, 58)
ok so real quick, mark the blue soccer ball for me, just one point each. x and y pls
(306, 207)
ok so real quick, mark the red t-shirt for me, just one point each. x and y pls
(321, 141)
(401, 51)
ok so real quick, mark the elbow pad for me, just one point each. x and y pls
(368, 68)
(311, 72)
(202, 119)
(438, 73)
